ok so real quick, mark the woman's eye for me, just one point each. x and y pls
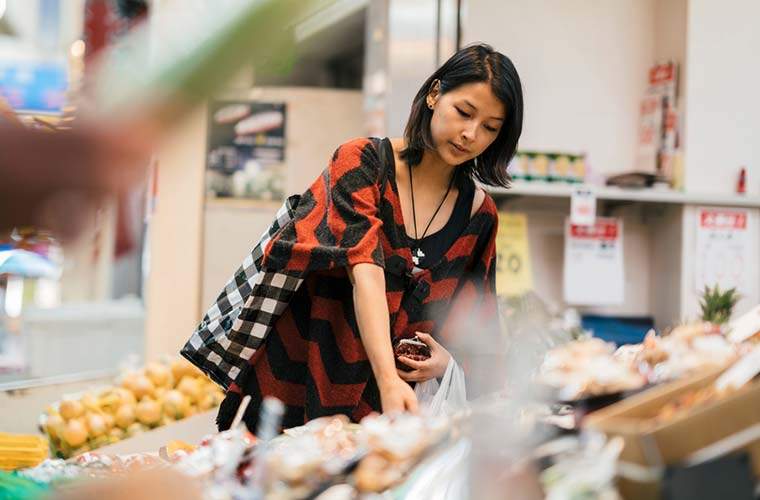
(490, 129)
(462, 113)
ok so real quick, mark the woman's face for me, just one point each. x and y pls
(466, 120)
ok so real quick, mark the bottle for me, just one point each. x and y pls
(741, 185)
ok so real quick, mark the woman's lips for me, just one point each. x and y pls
(458, 149)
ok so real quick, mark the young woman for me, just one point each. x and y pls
(393, 239)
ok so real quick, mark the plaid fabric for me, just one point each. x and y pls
(244, 312)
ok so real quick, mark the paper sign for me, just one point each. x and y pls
(593, 271)
(723, 248)
(583, 207)
(513, 269)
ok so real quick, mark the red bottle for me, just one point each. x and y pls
(741, 186)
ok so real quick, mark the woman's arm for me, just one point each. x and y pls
(374, 326)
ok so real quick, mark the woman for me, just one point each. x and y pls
(393, 237)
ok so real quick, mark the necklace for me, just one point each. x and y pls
(417, 252)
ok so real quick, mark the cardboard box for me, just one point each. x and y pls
(656, 443)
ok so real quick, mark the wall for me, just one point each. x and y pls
(318, 120)
(546, 222)
(722, 122)
(723, 118)
(583, 64)
(175, 239)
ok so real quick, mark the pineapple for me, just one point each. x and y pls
(717, 305)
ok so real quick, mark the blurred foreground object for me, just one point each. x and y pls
(141, 87)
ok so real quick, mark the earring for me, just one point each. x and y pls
(430, 106)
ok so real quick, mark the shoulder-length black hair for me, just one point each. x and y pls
(472, 64)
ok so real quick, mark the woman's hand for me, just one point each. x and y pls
(433, 367)
(397, 396)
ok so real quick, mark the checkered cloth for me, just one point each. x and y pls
(244, 312)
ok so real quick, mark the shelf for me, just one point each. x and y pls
(646, 195)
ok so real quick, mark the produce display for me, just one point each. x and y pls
(156, 395)
(591, 367)
(369, 457)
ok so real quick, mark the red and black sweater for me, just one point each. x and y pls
(313, 359)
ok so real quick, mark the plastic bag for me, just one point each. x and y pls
(446, 397)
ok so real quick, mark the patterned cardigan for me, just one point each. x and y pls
(313, 359)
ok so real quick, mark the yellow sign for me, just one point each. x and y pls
(514, 275)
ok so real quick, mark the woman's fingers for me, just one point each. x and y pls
(411, 363)
(412, 376)
(426, 339)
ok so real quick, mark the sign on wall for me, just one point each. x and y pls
(593, 270)
(723, 249)
(246, 150)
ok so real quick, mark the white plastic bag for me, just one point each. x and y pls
(445, 398)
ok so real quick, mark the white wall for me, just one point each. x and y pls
(175, 239)
(583, 64)
(723, 117)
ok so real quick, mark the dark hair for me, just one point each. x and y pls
(472, 64)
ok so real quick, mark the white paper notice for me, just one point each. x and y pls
(593, 272)
(583, 207)
(723, 249)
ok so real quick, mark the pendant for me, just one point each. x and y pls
(417, 255)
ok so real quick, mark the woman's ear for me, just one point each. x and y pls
(434, 93)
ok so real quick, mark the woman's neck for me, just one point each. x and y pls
(433, 171)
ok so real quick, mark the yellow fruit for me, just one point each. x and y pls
(190, 387)
(90, 402)
(206, 402)
(125, 395)
(135, 428)
(74, 433)
(97, 424)
(125, 416)
(140, 385)
(116, 434)
(71, 408)
(173, 447)
(54, 425)
(175, 404)
(148, 412)
(181, 367)
(109, 420)
(99, 441)
(159, 374)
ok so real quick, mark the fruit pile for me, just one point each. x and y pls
(144, 399)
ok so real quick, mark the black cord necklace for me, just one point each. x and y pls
(417, 252)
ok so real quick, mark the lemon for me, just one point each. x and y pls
(71, 408)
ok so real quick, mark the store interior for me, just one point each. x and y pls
(628, 245)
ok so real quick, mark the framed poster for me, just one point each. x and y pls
(246, 150)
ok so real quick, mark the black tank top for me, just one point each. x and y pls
(435, 245)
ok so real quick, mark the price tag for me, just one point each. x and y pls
(583, 207)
